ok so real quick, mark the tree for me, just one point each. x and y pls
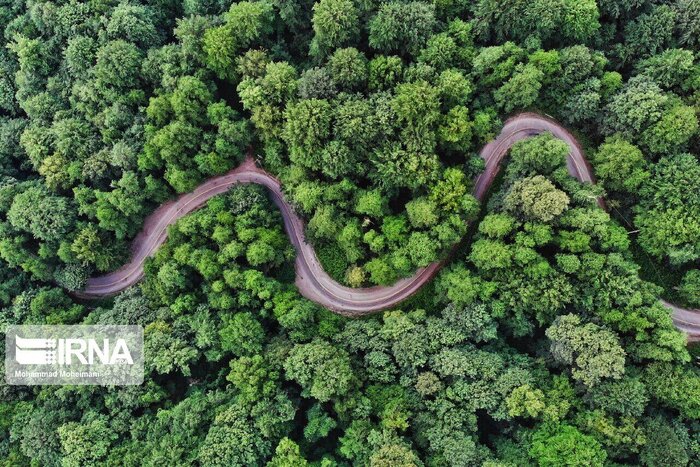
(394, 455)
(626, 397)
(254, 378)
(246, 23)
(355, 276)
(371, 203)
(325, 223)
(565, 445)
(422, 249)
(319, 424)
(594, 351)
(497, 225)
(620, 165)
(667, 203)
(687, 23)
(384, 72)
(244, 435)
(455, 88)
(190, 99)
(584, 103)
(358, 125)
(167, 352)
(287, 455)
(395, 167)
(439, 51)
(118, 64)
(37, 431)
(176, 434)
(489, 254)
(220, 48)
(636, 107)
(521, 90)
(539, 155)
(574, 21)
(536, 198)
(401, 27)
(242, 334)
(672, 132)
(317, 83)
(306, 129)
(675, 386)
(86, 442)
(663, 446)
(115, 208)
(322, 369)
(690, 287)
(335, 23)
(416, 105)
(72, 277)
(135, 23)
(672, 69)
(506, 20)
(45, 216)
(525, 401)
(422, 212)
(580, 20)
(650, 32)
(456, 130)
(348, 69)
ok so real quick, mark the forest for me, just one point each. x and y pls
(541, 342)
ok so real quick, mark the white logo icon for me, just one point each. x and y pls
(35, 351)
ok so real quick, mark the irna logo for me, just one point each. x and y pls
(37, 351)
(110, 355)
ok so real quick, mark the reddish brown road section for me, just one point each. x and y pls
(313, 282)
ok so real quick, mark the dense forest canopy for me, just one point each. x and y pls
(541, 343)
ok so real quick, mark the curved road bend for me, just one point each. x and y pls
(313, 282)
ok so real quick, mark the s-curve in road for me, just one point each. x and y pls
(313, 282)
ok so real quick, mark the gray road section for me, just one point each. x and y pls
(313, 282)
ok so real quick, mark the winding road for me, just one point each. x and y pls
(313, 282)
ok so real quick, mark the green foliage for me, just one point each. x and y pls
(537, 345)
(191, 136)
(335, 23)
(245, 24)
(668, 200)
(41, 214)
(287, 455)
(663, 445)
(308, 125)
(521, 90)
(690, 287)
(565, 445)
(620, 165)
(650, 32)
(348, 68)
(86, 442)
(536, 198)
(573, 21)
(401, 27)
(241, 435)
(641, 111)
(675, 386)
(242, 334)
(594, 352)
(322, 370)
(331, 257)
